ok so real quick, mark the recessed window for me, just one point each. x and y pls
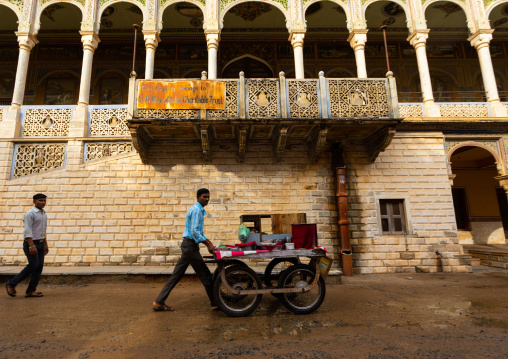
(393, 219)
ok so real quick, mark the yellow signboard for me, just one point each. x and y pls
(181, 95)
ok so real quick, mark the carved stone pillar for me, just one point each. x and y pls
(480, 41)
(297, 42)
(212, 44)
(78, 126)
(10, 125)
(151, 42)
(357, 39)
(418, 39)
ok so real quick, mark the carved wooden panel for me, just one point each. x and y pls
(37, 158)
(96, 151)
(303, 98)
(109, 122)
(263, 98)
(41, 122)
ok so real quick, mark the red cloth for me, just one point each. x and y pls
(304, 235)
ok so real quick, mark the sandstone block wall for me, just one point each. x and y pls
(120, 211)
(413, 168)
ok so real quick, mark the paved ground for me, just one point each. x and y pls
(369, 316)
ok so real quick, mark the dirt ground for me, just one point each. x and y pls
(367, 316)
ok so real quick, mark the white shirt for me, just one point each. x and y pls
(35, 223)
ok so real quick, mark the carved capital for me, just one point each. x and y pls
(88, 25)
(418, 38)
(26, 41)
(358, 38)
(151, 39)
(297, 38)
(211, 24)
(90, 40)
(212, 39)
(481, 38)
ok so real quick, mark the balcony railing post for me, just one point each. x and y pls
(283, 96)
(323, 95)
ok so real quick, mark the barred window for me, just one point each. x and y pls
(393, 220)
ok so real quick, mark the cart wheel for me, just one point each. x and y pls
(276, 266)
(238, 305)
(216, 272)
(299, 276)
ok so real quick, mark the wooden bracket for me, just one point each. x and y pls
(280, 143)
(141, 144)
(242, 143)
(378, 142)
(317, 144)
(205, 144)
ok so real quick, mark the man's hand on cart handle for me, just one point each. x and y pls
(209, 246)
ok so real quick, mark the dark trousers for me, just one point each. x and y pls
(33, 269)
(190, 255)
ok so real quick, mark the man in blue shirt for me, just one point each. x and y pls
(192, 236)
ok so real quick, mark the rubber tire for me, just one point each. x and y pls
(267, 277)
(286, 297)
(218, 298)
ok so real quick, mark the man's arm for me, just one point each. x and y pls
(28, 221)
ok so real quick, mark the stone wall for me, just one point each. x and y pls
(119, 211)
(412, 168)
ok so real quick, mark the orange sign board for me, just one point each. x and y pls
(181, 95)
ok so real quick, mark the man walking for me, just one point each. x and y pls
(192, 236)
(35, 247)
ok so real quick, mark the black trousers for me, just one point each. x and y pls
(190, 255)
(33, 269)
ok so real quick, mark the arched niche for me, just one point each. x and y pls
(251, 66)
(58, 88)
(111, 88)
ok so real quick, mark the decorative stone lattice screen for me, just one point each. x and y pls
(109, 122)
(263, 98)
(232, 109)
(96, 151)
(410, 110)
(303, 98)
(41, 122)
(188, 114)
(464, 110)
(358, 98)
(37, 158)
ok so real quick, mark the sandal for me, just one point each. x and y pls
(162, 308)
(34, 294)
(11, 291)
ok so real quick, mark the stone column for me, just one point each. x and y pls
(357, 39)
(151, 42)
(212, 43)
(10, 125)
(418, 39)
(79, 124)
(296, 39)
(480, 41)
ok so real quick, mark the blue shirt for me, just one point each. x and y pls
(194, 223)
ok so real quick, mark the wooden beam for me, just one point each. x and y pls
(317, 144)
(205, 143)
(242, 142)
(140, 143)
(280, 143)
(378, 142)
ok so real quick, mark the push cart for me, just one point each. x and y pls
(301, 287)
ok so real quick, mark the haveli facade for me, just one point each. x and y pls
(425, 162)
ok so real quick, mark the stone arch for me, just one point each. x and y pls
(340, 3)
(49, 3)
(110, 99)
(13, 8)
(172, 2)
(41, 88)
(236, 59)
(462, 6)
(112, 2)
(403, 5)
(493, 5)
(231, 5)
(453, 148)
